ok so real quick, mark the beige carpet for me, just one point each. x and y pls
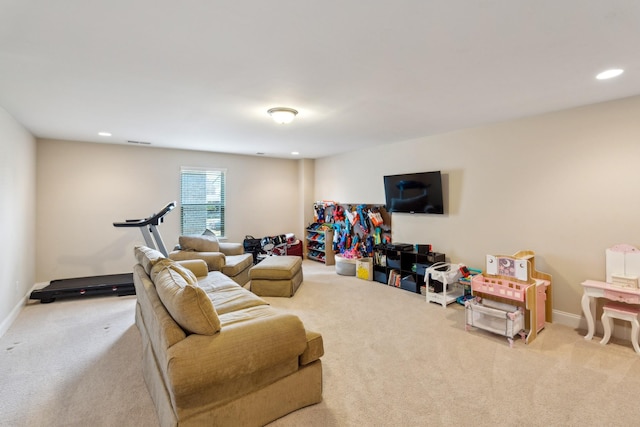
(390, 360)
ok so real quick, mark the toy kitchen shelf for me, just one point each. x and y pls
(511, 287)
(320, 244)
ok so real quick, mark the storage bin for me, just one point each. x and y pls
(364, 268)
(408, 283)
(380, 276)
(421, 268)
(393, 259)
(345, 266)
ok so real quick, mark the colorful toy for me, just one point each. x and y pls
(377, 238)
(375, 218)
(336, 235)
(319, 208)
(343, 241)
(364, 218)
(369, 246)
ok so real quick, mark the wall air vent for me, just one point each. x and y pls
(139, 142)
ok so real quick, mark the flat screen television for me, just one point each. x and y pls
(414, 193)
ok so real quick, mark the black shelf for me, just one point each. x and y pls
(406, 269)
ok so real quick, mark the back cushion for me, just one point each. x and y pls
(187, 303)
(203, 243)
(147, 257)
(184, 272)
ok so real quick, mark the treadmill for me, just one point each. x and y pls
(112, 284)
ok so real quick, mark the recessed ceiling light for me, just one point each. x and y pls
(609, 74)
(295, 153)
(104, 134)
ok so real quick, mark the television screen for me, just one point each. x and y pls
(414, 193)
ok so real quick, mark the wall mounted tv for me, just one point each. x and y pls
(414, 193)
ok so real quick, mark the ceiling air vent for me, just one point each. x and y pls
(139, 142)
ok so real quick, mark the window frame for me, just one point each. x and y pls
(215, 210)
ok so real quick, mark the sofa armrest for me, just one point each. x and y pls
(240, 348)
(314, 350)
(215, 260)
(231, 248)
(197, 266)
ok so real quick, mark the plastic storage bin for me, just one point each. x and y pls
(345, 266)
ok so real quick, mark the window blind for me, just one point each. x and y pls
(202, 200)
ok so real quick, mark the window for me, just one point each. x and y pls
(202, 200)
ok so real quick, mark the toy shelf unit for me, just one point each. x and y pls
(320, 243)
(350, 230)
(442, 286)
(511, 288)
(399, 265)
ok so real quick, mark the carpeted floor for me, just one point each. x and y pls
(390, 360)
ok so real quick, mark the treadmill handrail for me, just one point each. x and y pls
(152, 220)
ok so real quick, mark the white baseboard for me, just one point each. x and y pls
(569, 319)
(621, 330)
(13, 315)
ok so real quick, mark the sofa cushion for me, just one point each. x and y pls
(203, 243)
(234, 299)
(187, 303)
(215, 260)
(208, 232)
(183, 271)
(197, 266)
(314, 350)
(236, 264)
(147, 257)
(216, 281)
(226, 295)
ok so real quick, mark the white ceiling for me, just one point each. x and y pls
(201, 74)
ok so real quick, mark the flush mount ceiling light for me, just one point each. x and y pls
(609, 74)
(282, 114)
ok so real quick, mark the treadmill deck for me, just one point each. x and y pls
(116, 284)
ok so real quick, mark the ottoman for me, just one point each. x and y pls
(276, 276)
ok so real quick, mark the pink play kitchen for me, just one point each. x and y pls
(511, 298)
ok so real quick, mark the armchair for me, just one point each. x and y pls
(228, 258)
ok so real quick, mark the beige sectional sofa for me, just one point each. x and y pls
(215, 354)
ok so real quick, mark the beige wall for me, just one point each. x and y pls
(565, 185)
(17, 217)
(84, 187)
